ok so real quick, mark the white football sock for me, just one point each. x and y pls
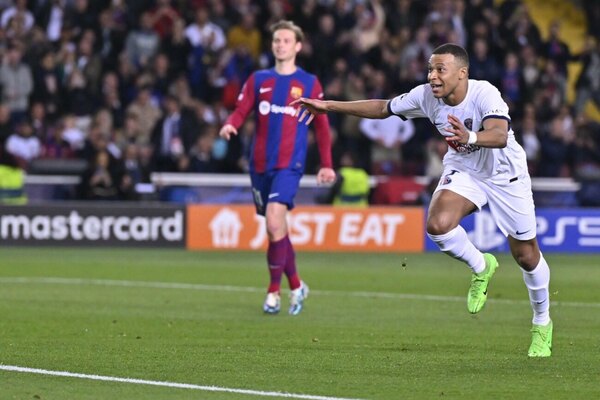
(456, 243)
(537, 282)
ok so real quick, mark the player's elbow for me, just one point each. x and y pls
(504, 140)
(502, 137)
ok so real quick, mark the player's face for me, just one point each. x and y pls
(444, 74)
(284, 45)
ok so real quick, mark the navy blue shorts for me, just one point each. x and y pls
(279, 186)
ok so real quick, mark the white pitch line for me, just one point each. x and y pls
(246, 289)
(13, 368)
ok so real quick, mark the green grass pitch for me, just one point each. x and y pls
(371, 329)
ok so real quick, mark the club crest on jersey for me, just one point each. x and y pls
(446, 178)
(468, 123)
(296, 92)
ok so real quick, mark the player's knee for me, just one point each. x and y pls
(527, 259)
(275, 228)
(439, 226)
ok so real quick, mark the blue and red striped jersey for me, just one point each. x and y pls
(281, 140)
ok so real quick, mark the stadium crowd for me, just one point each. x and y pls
(135, 86)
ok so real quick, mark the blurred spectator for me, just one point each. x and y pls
(246, 34)
(163, 17)
(388, 136)
(587, 165)
(6, 126)
(23, 144)
(418, 50)
(306, 14)
(556, 50)
(479, 30)
(588, 82)
(204, 33)
(400, 15)
(17, 14)
(133, 172)
(201, 155)
(531, 143)
(235, 67)
(89, 62)
(52, 17)
(482, 64)
(101, 181)
(350, 134)
(551, 91)
(555, 151)
(39, 121)
(224, 15)
(56, 146)
(326, 50)
(146, 112)
(110, 41)
(72, 134)
(161, 75)
(521, 31)
(16, 81)
(177, 48)
(530, 72)
(83, 17)
(130, 132)
(366, 34)
(567, 121)
(592, 13)
(111, 99)
(142, 43)
(435, 150)
(439, 27)
(511, 81)
(207, 40)
(79, 100)
(98, 140)
(351, 187)
(47, 87)
(173, 135)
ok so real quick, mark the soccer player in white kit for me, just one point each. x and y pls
(484, 164)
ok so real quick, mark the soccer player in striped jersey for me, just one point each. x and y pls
(279, 153)
(484, 164)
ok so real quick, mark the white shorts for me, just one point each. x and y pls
(511, 204)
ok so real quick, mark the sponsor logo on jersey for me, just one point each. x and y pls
(464, 148)
(264, 108)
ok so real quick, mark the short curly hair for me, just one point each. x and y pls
(457, 51)
(284, 24)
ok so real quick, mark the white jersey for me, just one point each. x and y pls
(482, 101)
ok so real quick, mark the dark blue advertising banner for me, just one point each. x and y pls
(561, 230)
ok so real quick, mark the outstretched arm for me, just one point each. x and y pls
(375, 109)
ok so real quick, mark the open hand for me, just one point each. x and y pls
(457, 129)
(309, 108)
(227, 130)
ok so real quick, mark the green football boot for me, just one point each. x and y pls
(479, 284)
(541, 341)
